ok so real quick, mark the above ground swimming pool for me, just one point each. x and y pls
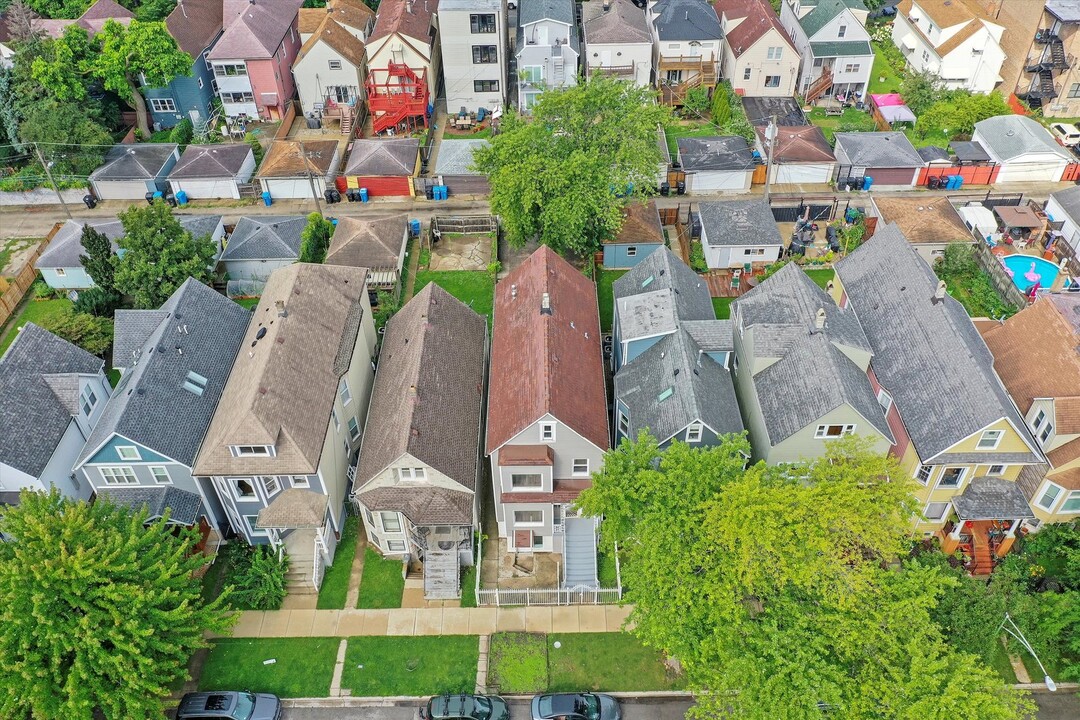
(1022, 267)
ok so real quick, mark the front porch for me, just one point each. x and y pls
(298, 523)
(986, 519)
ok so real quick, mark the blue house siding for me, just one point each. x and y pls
(75, 278)
(108, 455)
(636, 347)
(617, 255)
(186, 95)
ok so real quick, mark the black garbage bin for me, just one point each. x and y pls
(171, 199)
(336, 195)
(89, 201)
(665, 188)
(680, 188)
(149, 198)
(429, 192)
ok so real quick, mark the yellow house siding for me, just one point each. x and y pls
(1011, 442)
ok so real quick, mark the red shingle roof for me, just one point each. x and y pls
(759, 18)
(411, 18)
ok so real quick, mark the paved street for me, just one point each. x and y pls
(665, 709)
(1058, 706)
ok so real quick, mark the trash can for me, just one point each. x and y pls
(158, 196)
(89, 201)
(414, 227)
(680, 187)
(959, 182)
(267, 200)
(181, 197)
(333, 221)
(429, 191)
(171, 199)
(336, 195)
(149, 198)
(665, 188)
(867, 182)
(363, 194)
(328, 195)
(934, 183)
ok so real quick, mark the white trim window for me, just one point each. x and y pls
(631, 251)
(119, 475)
(344, 393)
(252, 450)
(337, 423)
(624, 424)
(936, 511)
(334, 64)
(60, 272)
(162, 105)
(251, 521)
(580, 466)
(354, 428)
(952, 477)
(1047, 432)
(271, 485)
(1049, 497)
(299, 481)
(418, 474)
(923, 473)
(395, 546)
(128, 452)
(694, 432)
(997, 470)
(1040, 418)
(528, 518)
(160, 474)
(526, 481)
(884, 399)
(87, 399)
(243, 489)
(547, 432)
(1071, 504)
(390, 521)
(990, 439)
(828, 432)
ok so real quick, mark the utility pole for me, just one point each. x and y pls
(45, 166)
(310, 176)
(770, 137)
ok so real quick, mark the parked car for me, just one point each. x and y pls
(229, 705)
(465, 707)
(576, 706)
(1066, 133)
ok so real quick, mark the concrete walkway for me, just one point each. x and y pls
(431, 621)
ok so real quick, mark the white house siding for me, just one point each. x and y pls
(803, 173)
(756, 59)
(300, 187)
(459, 72)
(313, 76)
(391, 48)
(122, 189)
(1069, 229)
(556, 70)
(718, 181)
(600, 55)
(259, 270)
(217, 188)
(960, 68)
(830, 32)
(735, 256)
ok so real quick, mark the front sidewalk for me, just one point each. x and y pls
(431, 621)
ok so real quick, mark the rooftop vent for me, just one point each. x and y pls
(545, 304)
(280, 305)
(939, 292)
(819, 319)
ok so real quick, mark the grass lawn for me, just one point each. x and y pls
(248, 302)
(606, 661)
(213, 579)
(820, 277)
(335, 584)
(473, 287)
(304, 666)
(977, 294)
(1000, 664)
(517, 662)
(380, 666)
(468, 587)
(687, 128)
(722, 308)
(936, 138)
(605, 296)
(882, 68)
(605, 568)
(33, 310)
(851, 121)
(382, 583)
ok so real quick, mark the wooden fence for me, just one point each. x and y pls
(21, 283)
(998, 277)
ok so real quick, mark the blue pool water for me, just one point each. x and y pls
(1021, 266)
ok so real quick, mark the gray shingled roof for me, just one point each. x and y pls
(1013, 136)
(992, 498)
(1069, 199)
(383, 158)
(622, 23)
(66, 246)
(760, 111)
(1067, 11)
(530, 11)
(38, 392)
(265, 237)
(184, 507)
(927, 355)
(711, 335)
(140, 161)
(686, 20)
(211, 161)
(876, 149)
(729, 152)
(701, 389)
(150, 405)
(672, 292)
(739, 222)
(434, 506)
(456, 156)
(133, 329)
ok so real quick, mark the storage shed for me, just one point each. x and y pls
(386, 167)
(453, 166)
(735, 233)
(131, 171)
(291, 168)
(207, 172)
(260, 245)
(717, 164)
(1025, 150)
(378, 245)
(640, 234)
(887, 157)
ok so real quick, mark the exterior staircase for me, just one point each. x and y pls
(300, 547)
(579, 553)
(982, 561)
(403, 95)
(442, 574)
(820, 86)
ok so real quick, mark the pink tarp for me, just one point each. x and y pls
(892, 108)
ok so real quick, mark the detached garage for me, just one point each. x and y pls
(801, 155)
(453, 166)
(289, 167)
(887, 157)
(132, 171)
(1025, 150)
(717, 164)
(260, 245)
(385, 167)
(737, 233)
(207, 172)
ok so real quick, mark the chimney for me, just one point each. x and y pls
(939, 293)
(280, 305)
(819, 319)
(545, 305)
(408, 6)
(607, 5)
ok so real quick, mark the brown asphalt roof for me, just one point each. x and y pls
(347, 13)
(343, 42)
(800, 143)
(194, 24)
(546, 362)
(759, 19)
(433, 506)
(308, 20)
(641, 224)
(411, 18)
(360, 242)
(924, 219)
(93, 20)
(283, 159)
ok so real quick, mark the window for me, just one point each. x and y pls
(936, 511)
(411, 474)
(746, 74)
(252, 523)
(194, 383)
(818, 62)
(161, 475)
(252, 451)
(925, 56)
(997, 470)
(343, 392)
(484, 54)
(214, 85)
(528, 517)
(1074, 90)
(128, 452)
(484, 23)
(775, 53)
(88, 400)
(533, 73)
(375, 538)
(354, 428)
(951, 477)
(693, 433)
(674, 77)
(300, 481)
(884, 400)
(391, 522)
(1040, 418)
(237, 97)
(976, 51)
(631, 251)
(754, 251)
(581, 466)
(842, 31)
(162, 105)
(521, 481)
(547, 432)
(1046, 433)
(337, 423)
(119, 476)
(537, 542)
(833, 431)
(624, 424)
(334, 64)
(243, 489)
(1049, 496)
(271, 485)
(485, 86)
(852, 68)
(923, 473)
(772, 81)
(60, 272)
(230, 70)
(1072, 503)
(395, 546)
(990, 439)
(200, 81)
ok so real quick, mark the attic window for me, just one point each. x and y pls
(194, 383)
(665, 394)
(647, 281)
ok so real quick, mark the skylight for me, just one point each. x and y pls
(647, 281)
(665, 395)
(194, 383)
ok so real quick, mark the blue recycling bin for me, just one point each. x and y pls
(159, 195)
(950, 182)
(333, 221)
(414, 227)
(181, 197)
(867, 182)
(959, 182)
(363, 195)
(267, 200)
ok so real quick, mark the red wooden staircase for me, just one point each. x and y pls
(982, 558)
(396, 95)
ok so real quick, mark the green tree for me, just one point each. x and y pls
(696, 102)
(154, 10)
(92, 334)
(559, 173)
(71, 140)
(388, 304)
(959, 113)
(159, 255)
(315, 239)
(920, 90)
(59, 9)
(97, 302)
(99, 613)
(256, 147)
(182, 133)
(98, 260)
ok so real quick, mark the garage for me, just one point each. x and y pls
(384, 166)
(131, 171)
(801, 155)
(207, 172)
(453, 167)
(717, 164)
(291, 168)
(1025, 150)
(887, 157)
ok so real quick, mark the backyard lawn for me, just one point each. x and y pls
(820, 277)
(303, 667)
(722, 308)
(882, 68)
(335, 584)
(852, 120)
(605, 296)
(381, 666)
(473, 287)
(687, 128)
(382, 583)
(33, 309)
(248, 302)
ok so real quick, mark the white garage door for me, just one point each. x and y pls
(119, 190)
(1033, 172)
(208, 189)
(706, 182)
(802, 174)
(289, 188)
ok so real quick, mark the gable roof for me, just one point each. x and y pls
(183, 507)
(265, 237)
(39, 395)
(758, 19)
(739, 222)
(1013, 136)
(421, 404)
(927, 355)
(546, 362)
(254, 29)
(411, 18)
(729, 152)
(1069, 200)
(223, 160)
(823, 13)
(622, 22)
(456, 156)
(93, 20)
(150, 405)
(66, 250)
(924, 218)
(194, 24)
(284, 159)
(889, 149)
(800, 144)
(946, 14)
(375, 243)
(640, 224)
(537, 10)
(139, 161)
(348, 13)
(760, 111)
(664, 283)
(282, 386)
(338, 39)
(384, 157)
(686, 20)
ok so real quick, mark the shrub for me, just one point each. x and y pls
(92, 334)
(259, 582)
(315, 239)
(696, 102)
(256, 147)
(388, 304)
(97, 301)
(182, 133)
(697, 257)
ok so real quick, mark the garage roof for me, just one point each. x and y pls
(211, 161)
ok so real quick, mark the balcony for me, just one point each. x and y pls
(1044, 36)
(622, 71)
(1051, 58)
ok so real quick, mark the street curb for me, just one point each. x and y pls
(406, 700)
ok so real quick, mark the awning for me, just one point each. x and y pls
(184, 507)
(897, 113)
(293, 509)
(969, 151)
(992, 498)
(1018, 217)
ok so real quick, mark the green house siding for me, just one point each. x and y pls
(108, 455)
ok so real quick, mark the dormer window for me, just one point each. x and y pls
(252, 450)
(128, 452)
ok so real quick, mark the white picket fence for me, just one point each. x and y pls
(498, 597)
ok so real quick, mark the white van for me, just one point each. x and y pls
(1066, 133)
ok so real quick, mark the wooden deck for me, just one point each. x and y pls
(720, 284)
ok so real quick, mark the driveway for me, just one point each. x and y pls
(666, 709)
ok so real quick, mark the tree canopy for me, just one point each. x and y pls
(315, 239)
(97, 612)
(559, 173)
(775, 588)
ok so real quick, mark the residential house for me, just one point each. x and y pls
(376, 244)
(52, 393)
(299, 168)
(353, 15)
(1025, 150)
(174, 363)
(475, 56)
(618, 41)
(404, 63)
(253, 58)
(958, 42)
(800, 155)
(759, 58)
(1045, 335)
(261, 244)
(1041, 68)
(547, 427)
(714, 164)
(801, 365)
(133, 172)
(737, 233)
(955, 429)
(61, 264)
(640, 234)
(687, 46)
(832, 40)
(888, 158)
(547, 47)
(384, 167)
(1063, 207)
(330, 72)
(930, 223)
(213, 171)
(656, 297)
(419, 468)
(280, 446)
(454, 167)
(195, 25)
(7, 52)
(92, 20)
